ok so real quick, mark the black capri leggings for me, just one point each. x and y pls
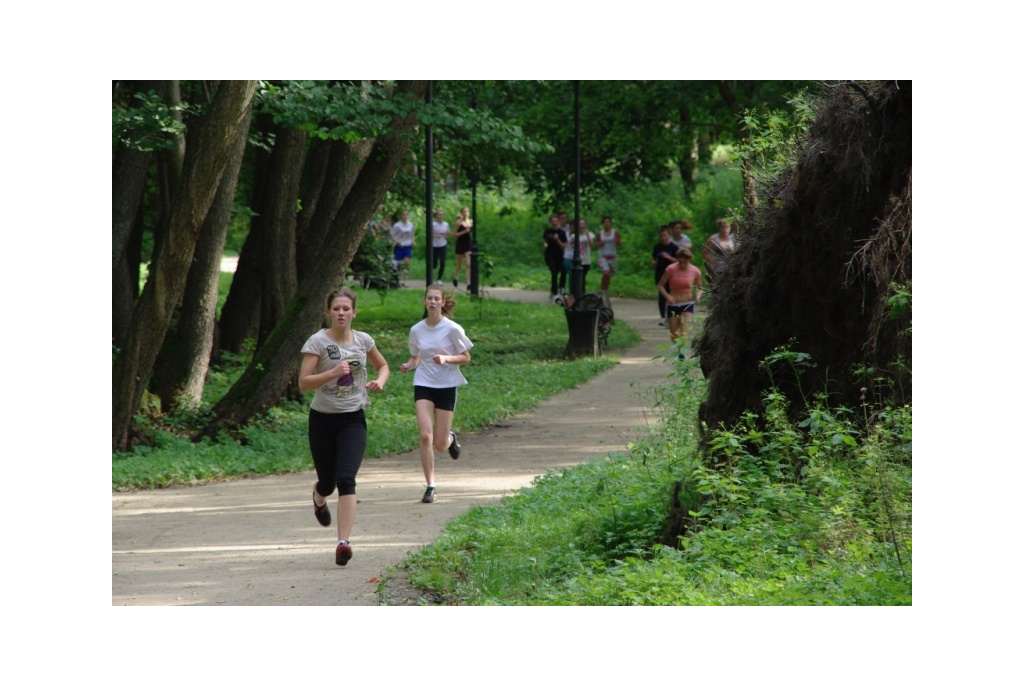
(440, 254)
(557, 269)
(338, 443)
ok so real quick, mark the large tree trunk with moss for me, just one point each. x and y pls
(208, 149)
(813, 271)
(344, 164)
(314, 175)
(240, 317)
(276, 215)
(129, 183)
(276, 362)
(689, 148)
(130, 171)
(179, 373)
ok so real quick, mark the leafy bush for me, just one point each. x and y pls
(809, 512)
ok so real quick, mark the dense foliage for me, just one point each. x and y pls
(813, 511)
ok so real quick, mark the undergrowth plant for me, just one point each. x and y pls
(815, 509)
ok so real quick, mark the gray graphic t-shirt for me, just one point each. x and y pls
(348, 393)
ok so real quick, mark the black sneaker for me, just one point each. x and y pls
(454, 449)
(455, 282)
(430, 495)
(322, 513)
(342, 553)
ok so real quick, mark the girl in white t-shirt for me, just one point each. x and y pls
(438, 348)
(441, 230)
(586, 240)
(608, 240)
(334, 362)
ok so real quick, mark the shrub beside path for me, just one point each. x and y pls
(256, 542)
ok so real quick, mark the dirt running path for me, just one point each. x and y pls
(255, 541)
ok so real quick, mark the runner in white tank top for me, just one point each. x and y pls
(608, 239)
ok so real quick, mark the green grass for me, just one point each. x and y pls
(812, 512)
(517, 363)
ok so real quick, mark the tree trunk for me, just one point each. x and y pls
(276, 215)
(179, 373)
(689, 148)
(129, 183)
(314, 173)
(276, 362)
(205, 159)
(168, 167)
(240, 317)
(174, 155)
(344, 164)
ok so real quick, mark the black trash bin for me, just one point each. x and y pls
(582, 333)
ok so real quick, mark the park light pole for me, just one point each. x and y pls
(576, 285)
(429, 153)
(582, 321)
(474, 253)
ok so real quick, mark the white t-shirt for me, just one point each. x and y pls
(348, 393)
(402, 233)
(682, 241)
(447, 337)
(586, 238)
(608, 246)
(441, 231)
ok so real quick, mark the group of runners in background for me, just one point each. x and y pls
(402, 234)
(678, 281)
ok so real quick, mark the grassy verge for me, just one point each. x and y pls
(517, 363)
(807, 512)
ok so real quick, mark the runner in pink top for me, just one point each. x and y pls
(680, 285)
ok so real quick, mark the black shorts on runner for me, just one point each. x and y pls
(443, 398)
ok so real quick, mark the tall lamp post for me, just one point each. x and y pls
(577, 261)
(429, 153)
(474, 253)
(582, 322)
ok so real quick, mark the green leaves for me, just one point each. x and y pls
(332, 110)
(772, 136)
(149, 124)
